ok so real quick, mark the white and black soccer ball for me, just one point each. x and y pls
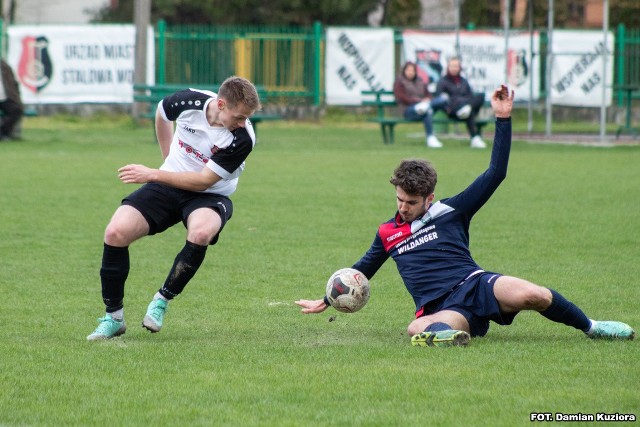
(348, 290)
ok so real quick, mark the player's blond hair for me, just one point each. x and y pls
(238, 90)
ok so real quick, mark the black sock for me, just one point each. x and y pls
(564, 311)
(184, 268)
(113, 274)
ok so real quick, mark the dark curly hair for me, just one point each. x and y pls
(416, 177)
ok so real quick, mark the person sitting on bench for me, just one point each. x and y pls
(463, 104)
(416, 102)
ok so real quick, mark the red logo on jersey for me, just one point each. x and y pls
(392, 234)
(192, 152)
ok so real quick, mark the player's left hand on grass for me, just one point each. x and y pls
(135, 174)
(312, 306)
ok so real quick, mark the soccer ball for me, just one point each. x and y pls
(348, 290)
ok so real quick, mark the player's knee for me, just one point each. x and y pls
(545, 298)
(115, 235)
(537, 298)
(415, 327)
(201, 236)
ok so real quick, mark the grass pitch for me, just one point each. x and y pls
(235, 349)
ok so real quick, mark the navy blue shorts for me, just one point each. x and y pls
(475, 300)
(164, 206)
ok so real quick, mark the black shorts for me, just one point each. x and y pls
(164, 206)
(475, 300)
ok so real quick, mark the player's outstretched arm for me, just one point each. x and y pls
(312, 306)
(502, 102)
(190, 181)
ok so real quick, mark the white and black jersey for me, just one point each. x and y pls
(197, 144)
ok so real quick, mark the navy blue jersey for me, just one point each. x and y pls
(432, 253)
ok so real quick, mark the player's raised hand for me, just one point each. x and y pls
(502, 102)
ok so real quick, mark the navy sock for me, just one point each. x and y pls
(564, 311)
(436, 327)
(184, 268)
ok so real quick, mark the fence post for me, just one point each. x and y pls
(621, 61)
(160, 66)
(142, 16)
(2, 40)
(317, 37)
(242, 52)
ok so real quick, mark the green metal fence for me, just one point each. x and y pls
(627, 61)
(288, 62)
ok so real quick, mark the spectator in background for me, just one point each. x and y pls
(463, 104)
(10, 102)
(415, 101)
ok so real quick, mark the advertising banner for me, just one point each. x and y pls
(357, 60)
(483, 59)
(76, 64)
(577, 73)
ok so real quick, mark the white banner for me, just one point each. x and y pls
(357, 60)
(482, 57)
(76, 63)
(577, 75)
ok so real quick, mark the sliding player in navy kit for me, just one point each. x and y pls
(203, 158)
(429, 241)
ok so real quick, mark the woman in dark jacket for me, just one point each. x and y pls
(415, 101)
(463, 104)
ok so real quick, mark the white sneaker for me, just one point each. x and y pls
(477, 142)
(433, 142)
(422, 107)
(464, 112)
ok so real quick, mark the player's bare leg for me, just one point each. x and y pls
(126, 226)
(445, 328)
(514, 294)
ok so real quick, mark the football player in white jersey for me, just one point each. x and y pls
(204, 154)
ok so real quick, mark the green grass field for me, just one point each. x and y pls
(235, 350)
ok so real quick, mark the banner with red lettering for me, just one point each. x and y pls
(76, 63)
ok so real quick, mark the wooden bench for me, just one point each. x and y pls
(152, 94)
(382, 100)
